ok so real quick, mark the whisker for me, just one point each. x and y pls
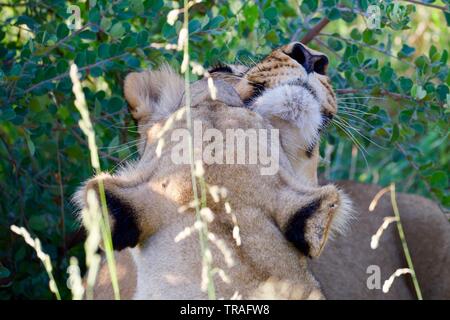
(352, 112)
(365, 97)
(124, 144)
(356, 142)
(362, 112)
(346, 103)
(122, 161)
(356, 117)
(128, 147)
(345, 122)
(293, 142)
(344, 127)
(126, 127)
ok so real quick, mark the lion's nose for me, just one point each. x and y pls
(310, 61)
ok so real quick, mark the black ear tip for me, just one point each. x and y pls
(296, 228)
(125, 231)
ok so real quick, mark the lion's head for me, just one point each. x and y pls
(289, 87)
(279, 219)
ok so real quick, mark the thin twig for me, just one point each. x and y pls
(66, 74)
(61, 193)
(361, 44)
(430, 5)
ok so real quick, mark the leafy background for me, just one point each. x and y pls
(393, 84)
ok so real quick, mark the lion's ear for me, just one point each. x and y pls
(323, 214)
(153, 95)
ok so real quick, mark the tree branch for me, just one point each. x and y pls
(362, 44)
(311, 34)
(435, 6)
(66, 74)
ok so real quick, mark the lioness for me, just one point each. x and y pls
(292, 73)
(291, 217)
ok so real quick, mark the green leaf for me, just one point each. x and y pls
(96, 72)
(105, 24)
(62, 66)
(114, 142)
(335, 44)
(4, 272)
(447, 17)
(422, 63)
(271, 13)
(115, 104)
(94, 15)
(142, 38)
(7, 113)
(88, 35)
(405, 116)
(418, 92)
(215, 22)
(117, 30)
(30, 144)
(442, 91)
(355, 34)
(406, 51)
(434, 54)
(444, 57)
(38, 222)
(334, 14)
(363, 4)
(386, 74)
(28, 21)
(309, 5)
(272, 36)
(395, 133)
(194, 25)
(62, 31)
(368, 37)
(406, 84)
(439, 179)
(251, 14)
(36, 104)
(329, 3)
(103, 51)
(132, 62)
(137, 6)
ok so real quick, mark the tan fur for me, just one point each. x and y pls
(268, 266)
(277, 68)
(126, 275)
(156, 188)
(341, 269)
